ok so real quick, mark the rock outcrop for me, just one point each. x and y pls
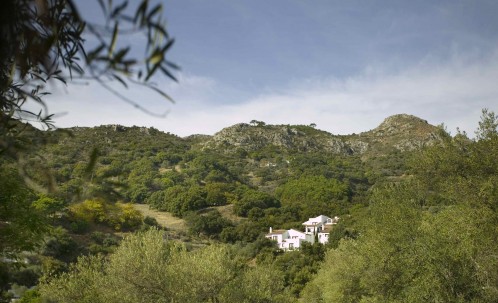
(399, 132)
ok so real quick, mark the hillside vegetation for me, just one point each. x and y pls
(418, 212)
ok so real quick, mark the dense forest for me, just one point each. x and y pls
(418, 211)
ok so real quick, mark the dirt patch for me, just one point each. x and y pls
(163, 170)
(165, 219)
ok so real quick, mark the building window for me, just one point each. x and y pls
(291, 246)
(275, 238)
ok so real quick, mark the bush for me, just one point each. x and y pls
(148, 220)
(110, 241)
(90, 211)
(60, 245)
(31, 296)
(98, 237)
(126, 217)
(26, 276)
(210, 224)
(79, 227)
(52, 266)
(228, 235)
(119, 216)
(253, 199)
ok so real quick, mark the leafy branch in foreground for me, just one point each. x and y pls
(45, 40)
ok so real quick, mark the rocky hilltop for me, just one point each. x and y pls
(399, 132)
(292, 137)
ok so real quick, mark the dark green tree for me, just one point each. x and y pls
(210, 224)
(488, 126)
(253, 199)
(313, 196)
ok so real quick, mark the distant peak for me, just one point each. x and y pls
(403, 118)
(404, 125)
(401, 121)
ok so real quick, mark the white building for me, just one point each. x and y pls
(291, 239)
(320, 226)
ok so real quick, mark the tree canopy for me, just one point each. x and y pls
(146, 268)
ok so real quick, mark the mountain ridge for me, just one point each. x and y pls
(401, 132)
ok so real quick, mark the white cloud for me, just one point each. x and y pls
(91, 104)
(453, 93)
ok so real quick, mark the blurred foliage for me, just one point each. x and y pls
(42, 41)
(21, 221)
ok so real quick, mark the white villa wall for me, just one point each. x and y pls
(323, 238)
(291, 244)
(293, 240)
(295, 234)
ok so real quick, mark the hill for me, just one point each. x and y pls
(399, 132)
(136, 161)
(145, 165)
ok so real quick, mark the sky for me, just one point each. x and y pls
(343, 65)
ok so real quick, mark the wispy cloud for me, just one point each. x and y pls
(453, 92)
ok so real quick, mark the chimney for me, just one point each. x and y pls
(271, 230)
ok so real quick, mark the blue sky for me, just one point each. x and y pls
(344, 65)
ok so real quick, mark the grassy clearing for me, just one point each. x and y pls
(165, 219)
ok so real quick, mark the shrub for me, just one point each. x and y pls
(210, 224)
(119, 216)
(254, 199)
(79, 226)
(148, 220)
(126, 217)
(90, 210)
(31, 296)
(60, 246)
